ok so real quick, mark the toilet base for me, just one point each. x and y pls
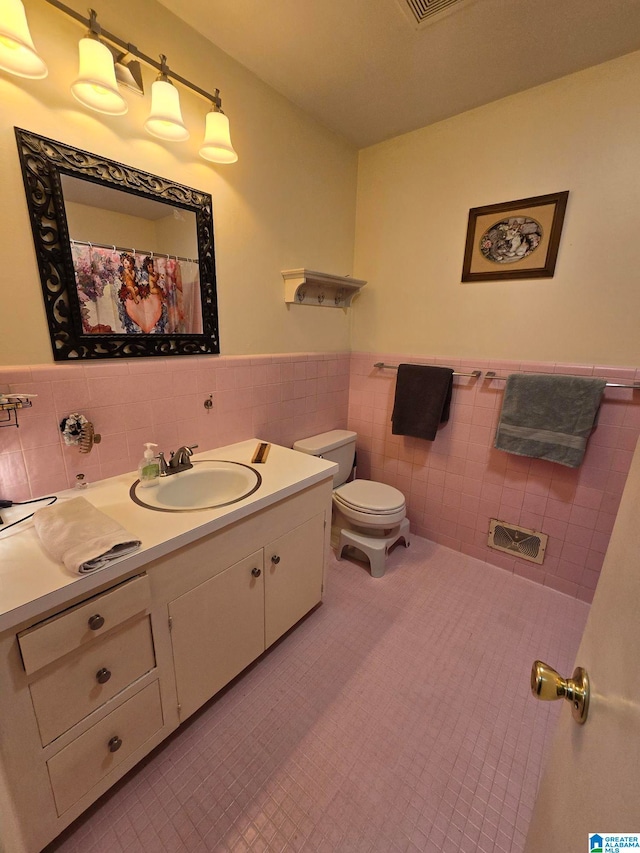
(375, 548)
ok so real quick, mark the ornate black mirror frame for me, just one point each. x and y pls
(43, 162)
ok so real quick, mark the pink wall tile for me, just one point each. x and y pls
(561, 585)
(600, 542)
(38, 430)
(14, 471)
(534, 503)
(454, 485)
(575, 507)
(583, 516)
(584, 594)
(161, 400)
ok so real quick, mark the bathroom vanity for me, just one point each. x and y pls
(96, 670)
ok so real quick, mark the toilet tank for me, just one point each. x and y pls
(337, 445)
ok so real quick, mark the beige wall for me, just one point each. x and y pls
(289, 201)
(93, 225)
(168, 236)
(580, 133)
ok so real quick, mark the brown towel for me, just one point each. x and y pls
(423, 397)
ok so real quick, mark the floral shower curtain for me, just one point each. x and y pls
(124, 292)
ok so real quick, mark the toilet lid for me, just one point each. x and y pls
(367, 496)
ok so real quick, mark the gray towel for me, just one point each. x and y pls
(422, 400)
(548, 416)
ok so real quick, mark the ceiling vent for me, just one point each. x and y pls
(518, 541)
(421, 12)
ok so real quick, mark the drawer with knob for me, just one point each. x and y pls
(89, 758)
(84, 680)
(49, 640)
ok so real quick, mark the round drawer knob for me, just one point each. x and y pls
(256, 573)
(103, 675)
(275, 559)
(96, 622)
(114, 744)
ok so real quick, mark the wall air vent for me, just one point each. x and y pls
(518, 541)
(420, 12)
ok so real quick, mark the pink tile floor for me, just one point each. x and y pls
(396, 717)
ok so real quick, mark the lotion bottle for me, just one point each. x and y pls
(148, 469)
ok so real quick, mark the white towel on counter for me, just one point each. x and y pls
(82, 537)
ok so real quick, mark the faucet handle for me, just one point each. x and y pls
(162, 462)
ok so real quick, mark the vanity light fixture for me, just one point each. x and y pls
(18, 54)
(165, 119)
(217, 145)
(96, 86)
(106, 61)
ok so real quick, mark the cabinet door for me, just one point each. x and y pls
(217, 629)
(294, 566)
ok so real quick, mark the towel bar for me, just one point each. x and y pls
(476, 373)
(490, 374)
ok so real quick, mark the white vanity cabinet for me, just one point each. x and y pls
(293, 576)
(88, 689)
(220, 626)
(232, 594)
(80, 704)
(217, 629)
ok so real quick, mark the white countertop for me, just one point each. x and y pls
(31, 582)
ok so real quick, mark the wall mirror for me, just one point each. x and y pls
(126, 258)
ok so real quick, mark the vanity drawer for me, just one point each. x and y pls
(89, 677)
(67, 631)
(99, 751)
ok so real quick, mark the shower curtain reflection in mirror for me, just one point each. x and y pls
(128, 292)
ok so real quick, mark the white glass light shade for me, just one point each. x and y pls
(165, 118)
(217, 145)
(17, 52)
(96, 85)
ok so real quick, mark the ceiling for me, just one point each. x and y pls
(366, 70)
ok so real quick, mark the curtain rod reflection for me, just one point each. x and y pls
(132, 251)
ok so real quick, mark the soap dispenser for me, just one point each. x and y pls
(148, 469)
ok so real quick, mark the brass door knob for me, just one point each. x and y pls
(256, 572)
(275, 559)
(96, 622)
(547, 684)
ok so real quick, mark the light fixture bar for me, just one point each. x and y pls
(133, 50)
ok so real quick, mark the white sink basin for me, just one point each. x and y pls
(209, 484)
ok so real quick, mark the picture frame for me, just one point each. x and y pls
(514, 239)
(158, 301)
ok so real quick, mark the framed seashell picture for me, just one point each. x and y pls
(514, 239)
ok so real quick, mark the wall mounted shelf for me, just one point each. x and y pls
(9, 405)
(308, 287)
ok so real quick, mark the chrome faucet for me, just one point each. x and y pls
(180, 460)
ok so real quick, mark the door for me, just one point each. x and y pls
(294, 566)
(217, 629)
(591, 783)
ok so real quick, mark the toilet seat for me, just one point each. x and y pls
(368, 504)
(367, 496)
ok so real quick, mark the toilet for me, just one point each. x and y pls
(368, 516)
